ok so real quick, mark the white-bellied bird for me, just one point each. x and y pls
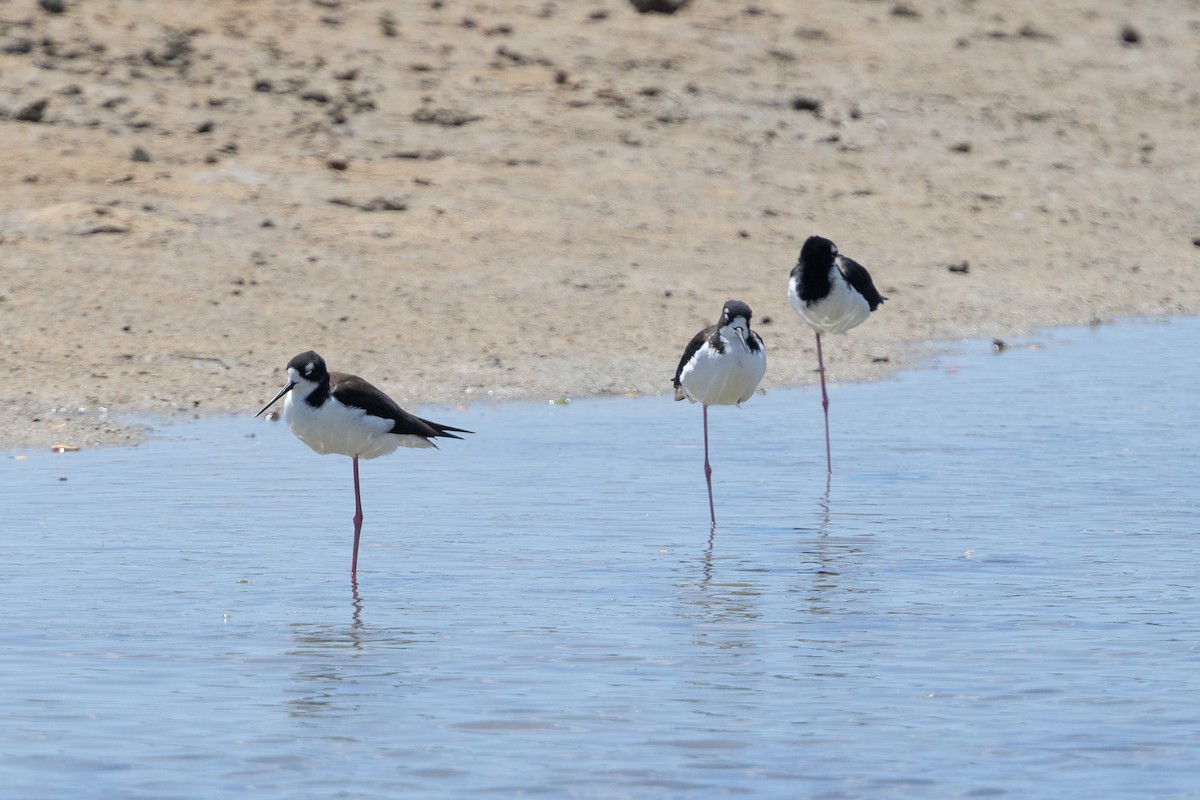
(721, 366)
(832, 293)
(332, 412)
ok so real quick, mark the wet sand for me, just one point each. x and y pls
(462, 201)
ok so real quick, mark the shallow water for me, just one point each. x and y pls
(996, 595)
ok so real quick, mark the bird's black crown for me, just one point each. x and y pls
(734, 309)
(310, 366)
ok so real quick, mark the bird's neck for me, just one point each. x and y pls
(815, 281)
(317, 396)
(736, 343)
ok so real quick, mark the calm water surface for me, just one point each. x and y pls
(995, 596)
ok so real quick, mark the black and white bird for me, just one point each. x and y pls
(832, 294)
(332, 412)
(721, 366)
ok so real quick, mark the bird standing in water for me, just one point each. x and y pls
(721, 366)
(832, 294)
(332, 412)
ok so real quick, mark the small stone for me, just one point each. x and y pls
(384, 204)
(658, 6)
(337, 162)
(1130, 35)
(34, 112)
(447, 117)
(803, 102)
(141, 155)
(53, 6)
(1028, 31)
(387, 24)
(17, 46)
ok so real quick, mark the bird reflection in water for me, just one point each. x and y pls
(708, 555)
(356, 615)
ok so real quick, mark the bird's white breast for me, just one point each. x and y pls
(343, 430)
(839, 311)
(724, 379)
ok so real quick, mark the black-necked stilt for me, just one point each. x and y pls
(721, 366)
(832, 294)
(332, 412)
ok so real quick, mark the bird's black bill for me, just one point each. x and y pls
(282, 392)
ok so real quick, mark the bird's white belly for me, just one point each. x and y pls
(725, 379)
(343, 430)
(838, 312)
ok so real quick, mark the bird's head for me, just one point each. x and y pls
(306, 368)
(818, 251)
(736, 317)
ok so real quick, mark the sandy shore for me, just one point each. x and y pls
(463, 200)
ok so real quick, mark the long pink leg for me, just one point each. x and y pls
(708, 470)
(824, 404)
(358, 518)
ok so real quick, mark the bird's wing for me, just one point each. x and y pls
(857, 276)
(755, 342)
(353, 390)
(695, 344)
